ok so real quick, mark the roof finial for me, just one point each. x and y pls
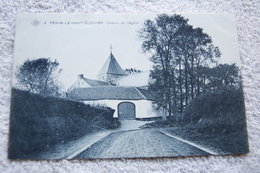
(111, 48)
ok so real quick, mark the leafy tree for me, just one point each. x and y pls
(39, 76)
(178, 53)
(158, 38)
(223, 75)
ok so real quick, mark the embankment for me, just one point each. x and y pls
(37, 122)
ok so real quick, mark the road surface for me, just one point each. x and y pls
(139, 144)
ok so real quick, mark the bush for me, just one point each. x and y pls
(37, 122)
(219, 115)
(217, 119)
(223, 106)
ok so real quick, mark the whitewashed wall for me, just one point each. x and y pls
(143, 108)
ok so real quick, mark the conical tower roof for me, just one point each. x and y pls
(111, 66)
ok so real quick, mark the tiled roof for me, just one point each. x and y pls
(150, 95)
(111, 93)
(111, 66)
(90, 82)
(94, 83)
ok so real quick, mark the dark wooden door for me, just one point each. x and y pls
(126, 110)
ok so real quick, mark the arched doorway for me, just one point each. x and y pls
(126, 111)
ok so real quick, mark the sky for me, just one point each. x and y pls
(81, 42)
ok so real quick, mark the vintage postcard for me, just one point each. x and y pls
(94, 86)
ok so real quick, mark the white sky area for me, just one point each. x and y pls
(84, 47)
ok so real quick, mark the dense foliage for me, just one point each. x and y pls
(185, 62)
(215, 119)
(37, 122)
(223, 106)
(201, 98)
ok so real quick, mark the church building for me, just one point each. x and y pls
(111, 71)
(126, 93)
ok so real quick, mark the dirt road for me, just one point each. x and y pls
(139, 143)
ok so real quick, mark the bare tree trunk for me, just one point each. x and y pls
(164, 108)
(186, 81)
(180, 85)
(191, 78)
(47, 78)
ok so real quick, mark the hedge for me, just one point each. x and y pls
(37, 122)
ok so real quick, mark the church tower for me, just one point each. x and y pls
(111, 70)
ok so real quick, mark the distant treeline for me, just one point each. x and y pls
(38, 122)
(132, 71)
